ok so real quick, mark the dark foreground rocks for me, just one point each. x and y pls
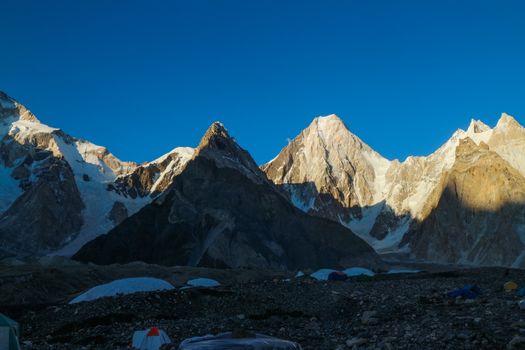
(382, 312)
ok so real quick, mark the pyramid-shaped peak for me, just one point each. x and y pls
(507, 120)
(328, 122)
(217, 140)
(477, 126)
(219, 146)
(215, 136)
(217, 127)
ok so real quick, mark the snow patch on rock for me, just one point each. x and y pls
(123, 286)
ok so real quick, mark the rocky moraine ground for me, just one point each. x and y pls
(401, 311)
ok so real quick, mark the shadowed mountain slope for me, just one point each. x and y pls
(221, 211)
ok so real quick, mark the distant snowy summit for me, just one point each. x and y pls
(464, 203)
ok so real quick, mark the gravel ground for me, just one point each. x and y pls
(384, 312)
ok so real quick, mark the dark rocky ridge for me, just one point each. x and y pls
(222, 211)
(45, 215)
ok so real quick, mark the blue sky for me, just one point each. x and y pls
(142, 77)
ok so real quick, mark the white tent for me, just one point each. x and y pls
(123, 286)
(150, 339)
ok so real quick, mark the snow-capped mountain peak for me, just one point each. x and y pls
(330, 172)
(68, 185)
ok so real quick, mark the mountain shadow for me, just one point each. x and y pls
(221, 211)
(472, 214)
(377, 223)
(459, 233)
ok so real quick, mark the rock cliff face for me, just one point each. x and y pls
(327, 169)
(221, 211)
(476, 214)
(58, 192)
(329, 172)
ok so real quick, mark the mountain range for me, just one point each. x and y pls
(222, 211)
(462, 204)
(326, 200)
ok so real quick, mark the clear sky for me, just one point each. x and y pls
(142, 77)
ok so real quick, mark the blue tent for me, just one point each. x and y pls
(470, 291)
(337, 276)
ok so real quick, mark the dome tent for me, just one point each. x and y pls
(232, 341)
(150, 339)
(9, 332)
(203, 282)
(337, 276)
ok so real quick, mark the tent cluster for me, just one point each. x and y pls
(335, 275)
(154, 338)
